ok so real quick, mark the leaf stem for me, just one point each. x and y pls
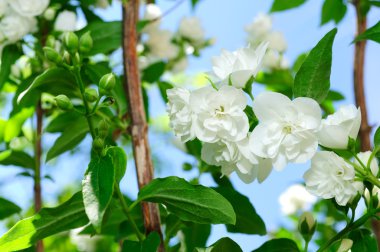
(124, 206)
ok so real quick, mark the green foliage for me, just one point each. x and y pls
(14, 125)
(196, 235)
(150, 244)
(278, 245)
(153, 72)
(164, 86)
(333, 10)
(189, 202)
(281, 5)
(222, 245)
(17, 158)
(313, 78)
(372, 33)
(363, 241)
(10, 54)
(47, 222)
(8, 208)
(376, 137)
(119, 161)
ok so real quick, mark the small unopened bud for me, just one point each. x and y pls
(91, 95)
(98, 144)
(107, 83)
(374, 199)
(103, 129)
(63, 102)
(76, 59)
(50, 41)
(71, 42)
(345, 245)
(67, 57)
(307, 225)
(85, 43)
(52, 55)
(49, 14)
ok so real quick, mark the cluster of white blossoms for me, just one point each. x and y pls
(160, 44)
(18, 18)
(295, 198)
(286, 131)
(261, 30)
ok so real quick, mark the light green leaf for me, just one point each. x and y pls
(278, 245)
(281, 5)
(313, 78)
(333, 10)
(119, 161)
(9, 56)
(150, 244)
(372, 33)
(222, 245)
(47, 222)
(69, 138)
(97, 188)
(17, 158)
(194, 203)
(247, 220)
(14, 124)
(8, 208)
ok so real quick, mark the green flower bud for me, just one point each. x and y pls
(91, 95)
(76, 59)
(98, 144)
(103, 129)
(52, 55)
(67, 57)
(71, 42)
(107, 83)
(307, 225)
(85, 43)
(63, 102)
(50, 41)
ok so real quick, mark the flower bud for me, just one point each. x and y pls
(107, 83)
(85, 43)
(374, 199)
(71, 42)
(63, 102)
(91, 95)
(98, 144)
(50, 41)
(52, 55)
(67, 57)
(307, 225)
(76, 59)
(345, 245)
(103, 129)
(49, 14)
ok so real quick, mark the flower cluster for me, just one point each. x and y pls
(18, 18)
(261, 30)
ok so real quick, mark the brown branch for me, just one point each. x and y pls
(37, 171)
(139, 127)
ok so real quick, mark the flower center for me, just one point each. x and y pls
(219, 112)
(287, 129)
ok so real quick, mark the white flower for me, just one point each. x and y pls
(3, 7)
(191, 28)
(331, 177)
(272, 60)
(364, 158)
(237, 156)
(338, 127)
(220, 114)
(277, 41)
(259, 28)
(29, 8)
(14, 27)
(295, 198)
(287, 129)
(66, 21)
(238, 66)
(152, 12)
(160, 44)
(181, 116)
(180, 65)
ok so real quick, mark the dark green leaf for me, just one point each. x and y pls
(97, 188)
(299, 61)
(47, 222)
(17, 158)
(334, 96)
(194, 3)
(333, 10)
(119, 161)
(313, 78)
(8, 208)
(141, 24)
(64, 121)
(69, 138)
(222, 245)
(189, 202)
(363, 241)
(164, 86)
(375, 3)
(150, 244)
(372, 33)
(9, 56)
(196, 235)
(153, 72)
(376, 138)
(247, 220)
(278, 245)
(194, 147)
(281, 5)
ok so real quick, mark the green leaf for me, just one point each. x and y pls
(8, 208)
(278, 245)
(375, 3)
(17, 158)
(281, 5)
(196, 235)
(164, 86)
(106, 36)
(47, 222)
(313, 78)
(372, 33)
(334, 96)
(150, 244)
(9, 56)
(194, 203)
(222, 245)
(97, 188)
(299, 61)
(376, 137)
(64, 121)
(194, 3)
(364, 241)
(54, 81)
(333, 10)
(14, 124)
(119, 161)
(247, 220)
(153, 72)
(69, 138)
